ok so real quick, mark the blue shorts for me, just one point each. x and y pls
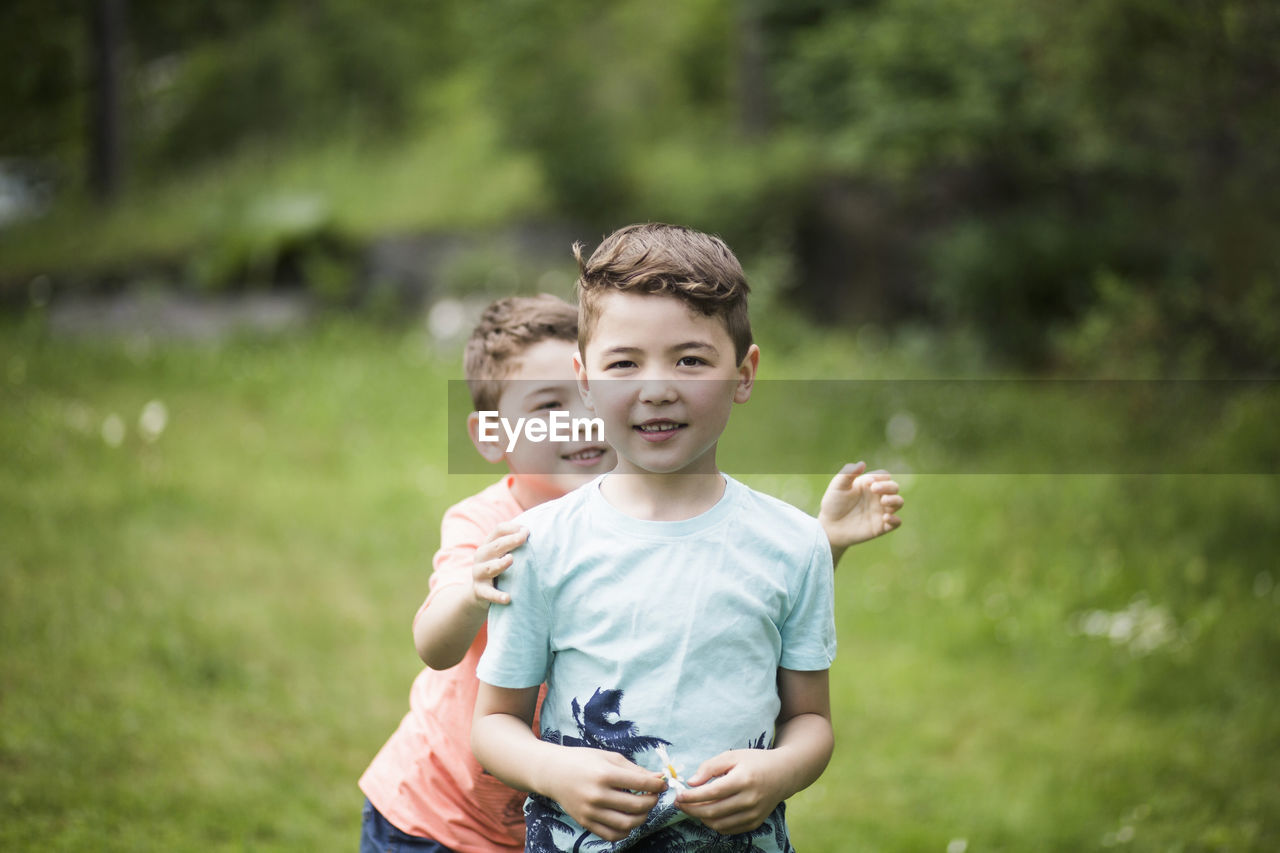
(377, 835)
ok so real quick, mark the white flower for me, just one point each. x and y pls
(670, 770)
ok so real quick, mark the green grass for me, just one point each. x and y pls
(206, 636)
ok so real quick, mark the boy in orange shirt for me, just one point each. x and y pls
(425, 791)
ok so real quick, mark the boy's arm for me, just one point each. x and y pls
(858, 505)
(601, 790)
(446, 627)
(737, 790)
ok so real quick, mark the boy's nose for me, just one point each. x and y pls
(657, 390)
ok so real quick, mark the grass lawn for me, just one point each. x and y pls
(205, 607)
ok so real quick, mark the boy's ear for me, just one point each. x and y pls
(747, 374)
(584, 386)
(490, 449)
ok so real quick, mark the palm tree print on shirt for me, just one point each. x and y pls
(601, 726)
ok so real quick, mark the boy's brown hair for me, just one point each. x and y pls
(696, 268)
(506, 329)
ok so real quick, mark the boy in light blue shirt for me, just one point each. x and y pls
(679, 618)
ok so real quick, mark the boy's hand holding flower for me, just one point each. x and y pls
(737, 790)
(602, 790)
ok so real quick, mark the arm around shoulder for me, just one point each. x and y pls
(446, 626)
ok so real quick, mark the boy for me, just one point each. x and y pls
(425, 790)
(675, 614)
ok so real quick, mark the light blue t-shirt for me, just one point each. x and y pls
(661, 634)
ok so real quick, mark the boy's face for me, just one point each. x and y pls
(543, 383)
(663, 378)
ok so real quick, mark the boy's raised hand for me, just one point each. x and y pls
(859, 505)
(603, 791)
(492, 558)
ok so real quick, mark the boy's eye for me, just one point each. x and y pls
(549, 405)
(690, 361)
(619, 365)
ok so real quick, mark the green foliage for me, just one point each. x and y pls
(314, 69)
(251, 242)
(987, 163)
(1136, 137)
(905, 86)
(747, 193)
(1127, 328)
(458, 177)
(610, 82)
(40, 89)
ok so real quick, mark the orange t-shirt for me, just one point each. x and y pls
(424, 780)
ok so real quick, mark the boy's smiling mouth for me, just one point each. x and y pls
(585, 457)
(658, 429)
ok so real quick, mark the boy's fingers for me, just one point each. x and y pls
(872, 478)
(712, 809)
(893, 503)
(625, 775)
(512, 540)
(717, 765)
(502, 545)
(644, 783)
(845, 476)
(613, 825)
(491, 594)
(627, 803)
(504, 529)
(717, 789)
(492, 568)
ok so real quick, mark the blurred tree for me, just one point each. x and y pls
(1043, 147)
(289, 71)
(1031, 170)
(754, 110)
(202, 78)
(1179, 108)
(41, 89)
(106, 33)
(588, 88)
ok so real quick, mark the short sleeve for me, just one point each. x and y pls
(809, 632)
(460, 535)
(518, 653)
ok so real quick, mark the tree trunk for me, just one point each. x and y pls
(106, 41)
(753, 94)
